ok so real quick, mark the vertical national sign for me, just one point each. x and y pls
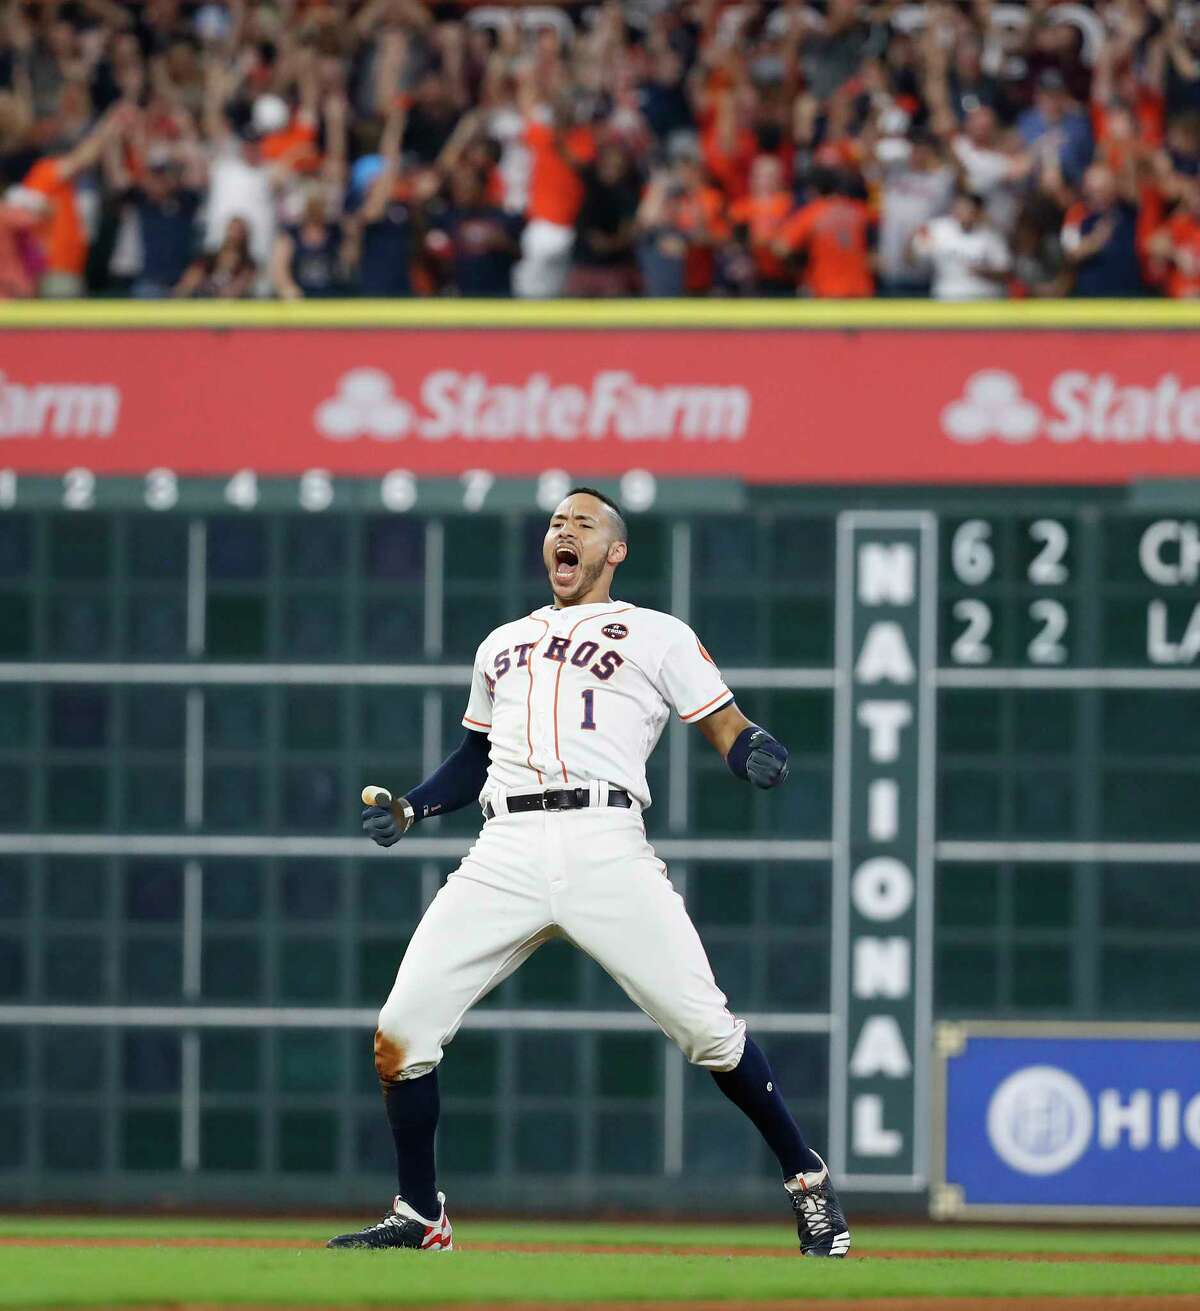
(883, 849)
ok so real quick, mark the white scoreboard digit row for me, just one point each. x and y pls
(970, 646)
(79, 489)
(971, 555)
(162, 489)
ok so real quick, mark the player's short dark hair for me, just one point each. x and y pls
(623, 532)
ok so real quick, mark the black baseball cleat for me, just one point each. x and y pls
(819, 1219)
(403, 1227)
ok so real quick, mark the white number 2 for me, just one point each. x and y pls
(1047, 566)
(79, 489)
(1046, 647)
(969, 647)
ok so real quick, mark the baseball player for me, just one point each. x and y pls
(565, 706)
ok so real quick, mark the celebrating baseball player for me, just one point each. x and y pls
(566, 704)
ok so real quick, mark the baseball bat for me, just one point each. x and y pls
(375, 796)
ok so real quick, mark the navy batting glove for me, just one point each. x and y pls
(767, 763)
(379, 824)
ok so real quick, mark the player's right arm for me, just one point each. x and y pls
(456, 782)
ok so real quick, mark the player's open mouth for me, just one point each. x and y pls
(566, 564)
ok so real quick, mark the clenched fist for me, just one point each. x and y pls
(767, 763)
(381, 825)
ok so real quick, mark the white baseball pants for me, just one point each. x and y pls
(588, 876)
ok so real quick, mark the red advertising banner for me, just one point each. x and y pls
(759, 405)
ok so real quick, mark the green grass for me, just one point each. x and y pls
(306, 1275)
(867, 1238)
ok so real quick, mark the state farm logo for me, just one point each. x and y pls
(1080, 406)
(58, 409)
(471, 407)
(992, 406)
(364, 406)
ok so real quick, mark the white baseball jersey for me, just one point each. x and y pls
(581, 694)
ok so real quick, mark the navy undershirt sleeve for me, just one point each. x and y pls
(456, 782)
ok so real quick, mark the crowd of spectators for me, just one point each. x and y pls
(308, 148)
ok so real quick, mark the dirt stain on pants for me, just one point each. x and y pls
(389, 1058)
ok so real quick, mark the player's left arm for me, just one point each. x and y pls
(690, 681)
(750, 751)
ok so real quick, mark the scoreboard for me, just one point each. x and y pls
(1084, 588)
(1068, 579)
(991, 697)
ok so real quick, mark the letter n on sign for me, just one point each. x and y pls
(883, 849)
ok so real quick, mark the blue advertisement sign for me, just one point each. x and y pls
(1067, 1119)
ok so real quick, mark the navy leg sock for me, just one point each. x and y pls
(751, 1086)
(412, 1111)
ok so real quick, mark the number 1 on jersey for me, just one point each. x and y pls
(589, 708)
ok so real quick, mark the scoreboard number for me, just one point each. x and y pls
(552, 486)
(476, 483)
(973, 561)
(1047, 568)
(971, 554)
(241, 491)
(398, 491)
(970, 646)
(316, 490)
(162, 489)
(79, 489)
(639, 489)
(1046, 647)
